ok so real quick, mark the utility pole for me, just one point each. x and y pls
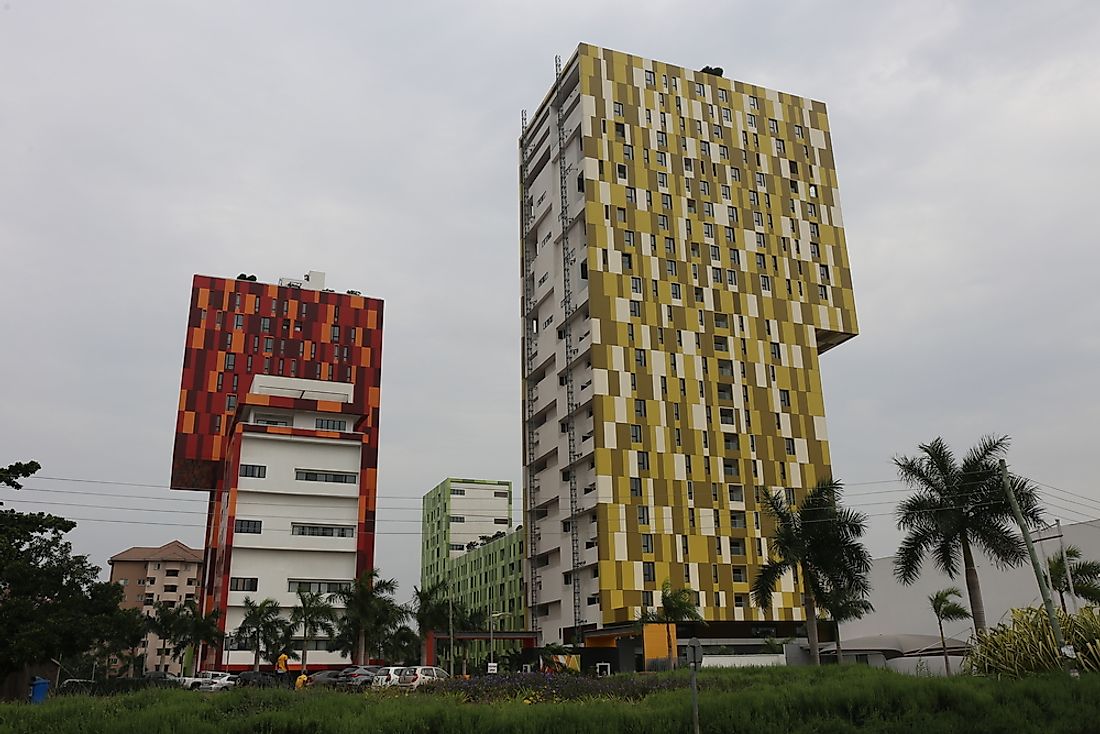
(1065, 651)
(1065, 562)
(451, 629)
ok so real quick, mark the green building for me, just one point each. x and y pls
(468, 541)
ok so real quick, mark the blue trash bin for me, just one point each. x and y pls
(39, 689)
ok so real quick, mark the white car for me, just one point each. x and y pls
(413, 678)
(386, 677)
(216, 680)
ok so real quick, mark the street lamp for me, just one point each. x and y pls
(492, 616)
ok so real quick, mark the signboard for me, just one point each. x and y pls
(695, 651)
(491, 668)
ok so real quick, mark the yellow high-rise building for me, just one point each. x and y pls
(683, 267)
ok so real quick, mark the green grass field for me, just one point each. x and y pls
(760, 701)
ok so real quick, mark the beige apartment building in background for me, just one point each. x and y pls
(171, 573)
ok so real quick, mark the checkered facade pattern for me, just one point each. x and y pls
(241, 328)
(684, 266)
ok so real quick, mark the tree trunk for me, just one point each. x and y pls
(256, 656)
(839, 648)
(943, 641)
(361, 650)
(305, 646)
(811, 621)
(668, 642)
(1062, 598)
(973, 589)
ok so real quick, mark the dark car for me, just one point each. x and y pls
(325, 678)
(257, 679)
(357, 675)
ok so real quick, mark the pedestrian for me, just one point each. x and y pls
(281, 671)
(303, 680)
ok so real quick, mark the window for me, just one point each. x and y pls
(649, 571)
(230, 361)
(618, 108)
(662, 139)
(312, 475)
(765, 283)
(785, 398)
(239, 583)
(754, 103)
(173, 572)
(647, 598)
(636, 433)
(643, 460)
(643, 515)
(647, 543)
(323, 531)
(737, 493)
(650, 78)
(317, 587)
(254, 527)
(639, 408)
(332, 424)
(751, 118)
(676, 290)
(738, 574)
(798, 131)
(662, 179)
(238, 321)
(737, 519)
(456, 518)
(258, 471)
(788, 444)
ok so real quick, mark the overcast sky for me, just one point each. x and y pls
(141, 143)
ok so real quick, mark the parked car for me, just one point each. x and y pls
(413, 678)
(325, 677)
(257, 679)
(75, 685)
(359, 675)
(165, 676)
(216, 680)
(386, 677)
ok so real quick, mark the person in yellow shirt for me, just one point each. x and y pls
(302, 681)
(280, 669)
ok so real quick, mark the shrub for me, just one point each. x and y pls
(1026, 645)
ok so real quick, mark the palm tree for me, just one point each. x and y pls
(258, 624)
(191, 630)
(403, 646)
(947, 609)
(677, 605)
(959, 508)
(819, 542)
(369, 611)
(430, 607)
(844, 605)
(1086, 576)
(313, 614)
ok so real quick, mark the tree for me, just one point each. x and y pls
(429, 606)
(819, 542)
(844, 605)
(959, 508)
(1086, 576)
(677, 605)
(51, 603)
(369, 612)
(259, 624)
(947, 609)
(190, 630)
(12, 473)
(313, 614)
(403, 646)
(164, 622)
